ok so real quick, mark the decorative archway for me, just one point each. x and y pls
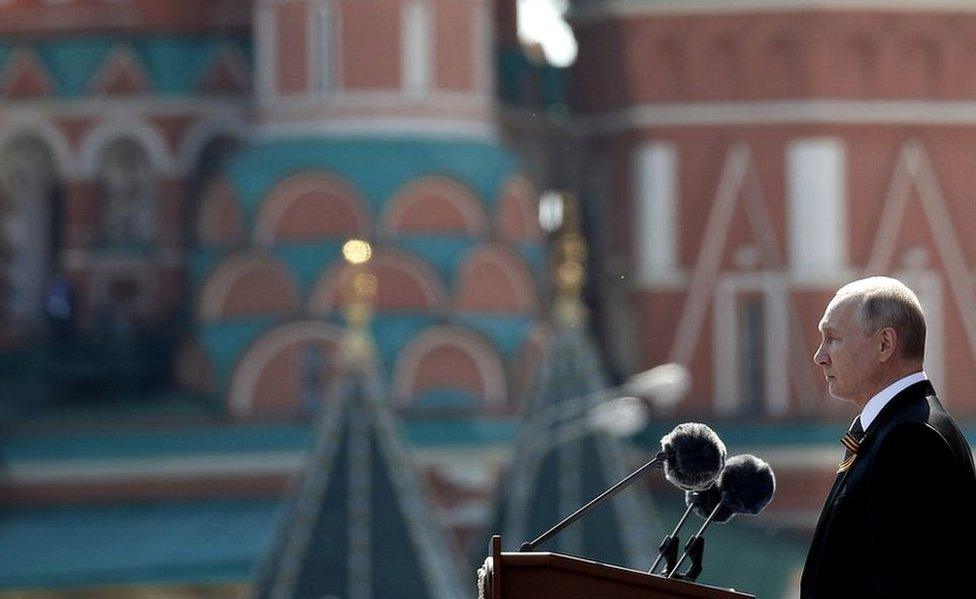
(495, 279)
(54, 139)
(248, 284)
(517, 215)
(284, 371)
(202, 134)
(404, 282)
(149, 139)
(448, 357)
(29, 215)
(434, 204)
(310, 206)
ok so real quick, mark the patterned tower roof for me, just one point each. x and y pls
(561, 461)
(455, 245)
(358, 525)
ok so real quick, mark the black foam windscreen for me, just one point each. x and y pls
(694, 456)
(747, 484)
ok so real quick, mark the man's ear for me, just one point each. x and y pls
(888, 340)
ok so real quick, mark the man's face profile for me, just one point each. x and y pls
(846, 355)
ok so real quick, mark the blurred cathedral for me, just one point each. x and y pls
(192, 169)
(177, 180)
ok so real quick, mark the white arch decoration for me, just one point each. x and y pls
(138, 130)
(64, 159)
(205, 131)
(476, 221)
(226, 273)
(504, 258)
(486, 360)
(277, 201)
(263, 350)
(517, 191)
(322, 300)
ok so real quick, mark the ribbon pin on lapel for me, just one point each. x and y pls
(851, 441)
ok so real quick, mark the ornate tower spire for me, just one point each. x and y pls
(358, 295)
(569, 263)
(561, 459)
(358, 525)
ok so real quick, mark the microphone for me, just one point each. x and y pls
(692, 456)
(746, 486)
(702, 503)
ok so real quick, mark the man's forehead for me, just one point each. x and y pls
(839, 308)
(827, 324)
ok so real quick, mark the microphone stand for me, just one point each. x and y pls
(669, 546)
(695, 549)
(657, 462)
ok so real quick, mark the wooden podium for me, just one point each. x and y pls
(544, 575)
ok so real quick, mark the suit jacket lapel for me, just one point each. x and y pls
(825, 513)
(897, 403)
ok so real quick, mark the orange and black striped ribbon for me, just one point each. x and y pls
(852, 444)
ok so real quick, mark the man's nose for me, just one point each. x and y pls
(820, 357)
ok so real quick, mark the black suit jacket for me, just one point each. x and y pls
(902, 520)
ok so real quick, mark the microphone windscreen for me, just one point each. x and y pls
(703, 503)
(694, 456)
(747, 484)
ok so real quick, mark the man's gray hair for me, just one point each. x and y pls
(887, 302)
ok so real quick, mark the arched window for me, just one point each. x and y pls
(126, 196)
(28, 231)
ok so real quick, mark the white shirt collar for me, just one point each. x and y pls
(881, 398)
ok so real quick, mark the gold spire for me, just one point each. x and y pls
(569, 264)
(358, 294)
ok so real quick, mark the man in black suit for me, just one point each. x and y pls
(900, 520)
